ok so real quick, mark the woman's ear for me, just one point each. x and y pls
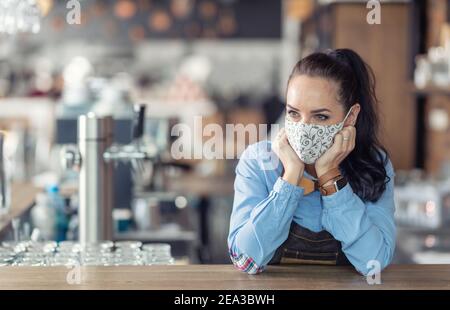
(353, 116)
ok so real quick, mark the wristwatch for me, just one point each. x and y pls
(337, 185)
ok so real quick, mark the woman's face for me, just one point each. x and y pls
(314, 100)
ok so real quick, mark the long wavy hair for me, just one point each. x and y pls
(364, 167)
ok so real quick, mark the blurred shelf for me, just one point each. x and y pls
(158, 195)
(192, 184)
(445, 231)
(195, 184)
(431, 90)
(157, 235)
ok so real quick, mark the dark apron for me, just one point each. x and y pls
(304, 246)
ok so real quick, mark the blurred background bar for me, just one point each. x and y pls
(226, 61)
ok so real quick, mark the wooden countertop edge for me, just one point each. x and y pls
(225, 277)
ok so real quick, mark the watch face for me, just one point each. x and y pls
(341, 183)
(336, 186)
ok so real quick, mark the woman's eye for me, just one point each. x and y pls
(322, 117)
(292, 113)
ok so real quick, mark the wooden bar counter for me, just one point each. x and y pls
(224, 277)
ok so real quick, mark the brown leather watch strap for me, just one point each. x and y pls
(331, 189)
(329, 175)
(327, 190)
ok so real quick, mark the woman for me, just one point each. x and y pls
(329, 143)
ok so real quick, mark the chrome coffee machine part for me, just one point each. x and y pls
(94, 158)
(4, 183)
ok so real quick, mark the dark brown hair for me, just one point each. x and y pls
(364, 167)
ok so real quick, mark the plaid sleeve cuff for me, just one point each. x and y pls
(245, 263)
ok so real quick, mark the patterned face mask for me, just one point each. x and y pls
(310, 141)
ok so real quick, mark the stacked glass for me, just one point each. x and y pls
(38, 253)
(7, 256)
(97, 253)
(128, 253)
(27, 253)
(67, 254)
(158, 254)
(71, 253)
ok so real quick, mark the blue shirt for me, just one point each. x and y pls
(265, 205)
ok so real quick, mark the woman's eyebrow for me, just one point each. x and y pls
(291, 107)
(320, 110)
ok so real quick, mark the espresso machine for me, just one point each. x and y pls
(94, 158)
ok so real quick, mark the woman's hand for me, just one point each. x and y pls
(344, 143)
(293, 166)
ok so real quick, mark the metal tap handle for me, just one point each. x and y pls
(4, 199)
(70, 158)
(138, 121)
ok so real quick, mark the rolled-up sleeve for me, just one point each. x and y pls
(261, 217)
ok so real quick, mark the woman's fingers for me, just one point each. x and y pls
(281, 133)
(348, 137)
(343, 143)
(279, 138)
(353, 139)
(283, 138)
(337, 144)
(281, 141)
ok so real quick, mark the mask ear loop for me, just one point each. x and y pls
(346, 116)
